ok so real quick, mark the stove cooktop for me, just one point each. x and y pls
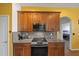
(39, 39)
(39, 42)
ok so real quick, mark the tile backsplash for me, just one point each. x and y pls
(47, 35)
(31, 35)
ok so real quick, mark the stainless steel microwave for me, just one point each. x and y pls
(39, 27)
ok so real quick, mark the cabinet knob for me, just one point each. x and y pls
(10, 31)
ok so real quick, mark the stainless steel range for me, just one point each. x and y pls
(39, 47)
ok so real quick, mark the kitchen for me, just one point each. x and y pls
(46, 21)
(37, 34)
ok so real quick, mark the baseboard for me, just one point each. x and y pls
(73, 49)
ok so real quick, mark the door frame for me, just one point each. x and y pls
(70, 40)
(8, 31)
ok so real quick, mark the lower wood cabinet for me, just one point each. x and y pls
(56, 49)
(22, 49)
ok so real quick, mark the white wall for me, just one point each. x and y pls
(15, 7)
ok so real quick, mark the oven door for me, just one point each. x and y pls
(39, 51)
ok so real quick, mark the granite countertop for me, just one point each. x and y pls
(30, 40)
(23, 41)
(55, 40)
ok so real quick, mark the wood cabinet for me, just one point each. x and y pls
(24, 24)
(56, 49)
(53, 23)
(22, 49)
(20, 22)
(26, 19)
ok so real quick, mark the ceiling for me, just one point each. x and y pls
(68, 5)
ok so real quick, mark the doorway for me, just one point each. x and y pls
(65, 29)
(4, 35)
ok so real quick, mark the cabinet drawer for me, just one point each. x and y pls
(21, 44)
(60, 44)
(51, 44)
(55, 44)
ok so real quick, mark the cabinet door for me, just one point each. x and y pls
(27, 50)
(43, 19)
(24, 22)
(20, 21)
(53, 22)
(38, 18)
(60, 50)
(29, 22)
(18, 51)
(56, 49)
(57, 21)
(51, 51)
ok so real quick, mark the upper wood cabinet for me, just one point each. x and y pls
(24, 24)
(26, 19)
(53, 23)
